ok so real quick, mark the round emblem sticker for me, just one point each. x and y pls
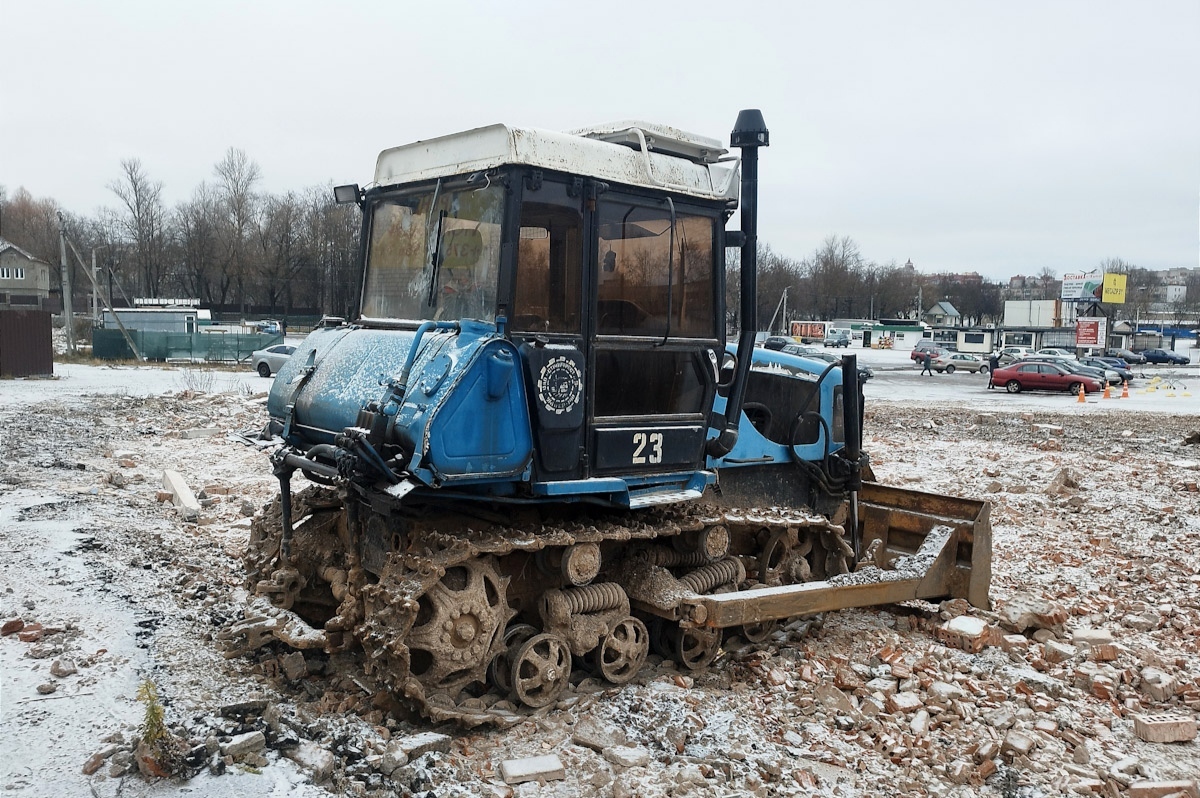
(560, 385)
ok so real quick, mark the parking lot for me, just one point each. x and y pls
(898, 378)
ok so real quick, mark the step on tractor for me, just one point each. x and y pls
(534, 454)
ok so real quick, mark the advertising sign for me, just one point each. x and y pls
(1091, 331)
(1082, 286)
(1114, 288)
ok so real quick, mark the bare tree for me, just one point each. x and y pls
(197, 243)
(281, 250)
(31, 224)
(142, 223)
(236, 176)
(335, 238)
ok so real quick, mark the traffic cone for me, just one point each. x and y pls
(1125, 389)
(1107, 391)
(1081, 398)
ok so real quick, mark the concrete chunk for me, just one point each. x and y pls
(903, 703)
(313, 758)
(1017, 743)
(1056, 652)
(415, 745)
(201, 432)
(1160, 789)
(627, 756)
(597, 734)
(532, 768)
(181, 494)
(1024, 610)
(244, 744)
(1087, 636)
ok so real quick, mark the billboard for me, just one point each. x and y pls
(1091, 330)
(1114, 288)
(1077, 287)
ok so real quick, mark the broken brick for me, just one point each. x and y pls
(1160, 789)
(1164, 728)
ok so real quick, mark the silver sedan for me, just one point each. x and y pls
(268, 361)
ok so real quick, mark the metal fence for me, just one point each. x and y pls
(109, 344)
(26, 343)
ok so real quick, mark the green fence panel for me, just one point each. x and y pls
(108, 344)
(111, 345)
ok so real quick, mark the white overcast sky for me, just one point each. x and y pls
(998, 137)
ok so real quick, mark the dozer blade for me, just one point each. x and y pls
(919, 545)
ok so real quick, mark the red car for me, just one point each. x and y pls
(920, 351)
(1040, 376)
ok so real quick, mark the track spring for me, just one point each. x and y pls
(594, 598)
(723, 572)
(669, 558)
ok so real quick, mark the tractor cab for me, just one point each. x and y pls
(599, 254)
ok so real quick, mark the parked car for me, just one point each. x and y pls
(798, 349)
(837, 339)
(777, 342)
(268, 361)
(1116, 362)
(1161, 356)
(1054, 351)
(864, 373)
(1016, 352)
(926, 345)
(1107, 364)
(1132, 358)
(1104, 375)
(951, 362)
(1027, 375)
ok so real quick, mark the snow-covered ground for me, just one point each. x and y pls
(1096, 518)
(898, 378)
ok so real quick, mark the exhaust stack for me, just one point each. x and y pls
(749, 133)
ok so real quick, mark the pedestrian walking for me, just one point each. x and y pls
(926, 362)
(993, 364)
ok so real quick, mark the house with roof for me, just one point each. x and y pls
(942, 314)
(24, 279)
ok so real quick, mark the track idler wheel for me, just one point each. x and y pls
(500, 671)
(759, 632)
(694, 648)
(541, 670)
(623, 651)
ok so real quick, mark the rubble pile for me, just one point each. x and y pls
(1082, 679)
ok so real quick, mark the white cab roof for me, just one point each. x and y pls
(632, 153)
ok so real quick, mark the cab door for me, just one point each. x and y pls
(653, 335)
(547, 319)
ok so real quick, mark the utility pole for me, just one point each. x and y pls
(95, 290)
(66, 285)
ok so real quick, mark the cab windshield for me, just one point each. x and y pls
(434, 254)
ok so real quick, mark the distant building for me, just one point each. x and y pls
(24, 279)
(942, 314)
(1021, 287)
(172, 320)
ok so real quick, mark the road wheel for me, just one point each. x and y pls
(1013, 386)
(983, 369)
(949, 369)
(264, 370)
(1076, 388)
(541, 670)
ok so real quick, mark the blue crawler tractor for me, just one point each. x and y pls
(534, 450)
